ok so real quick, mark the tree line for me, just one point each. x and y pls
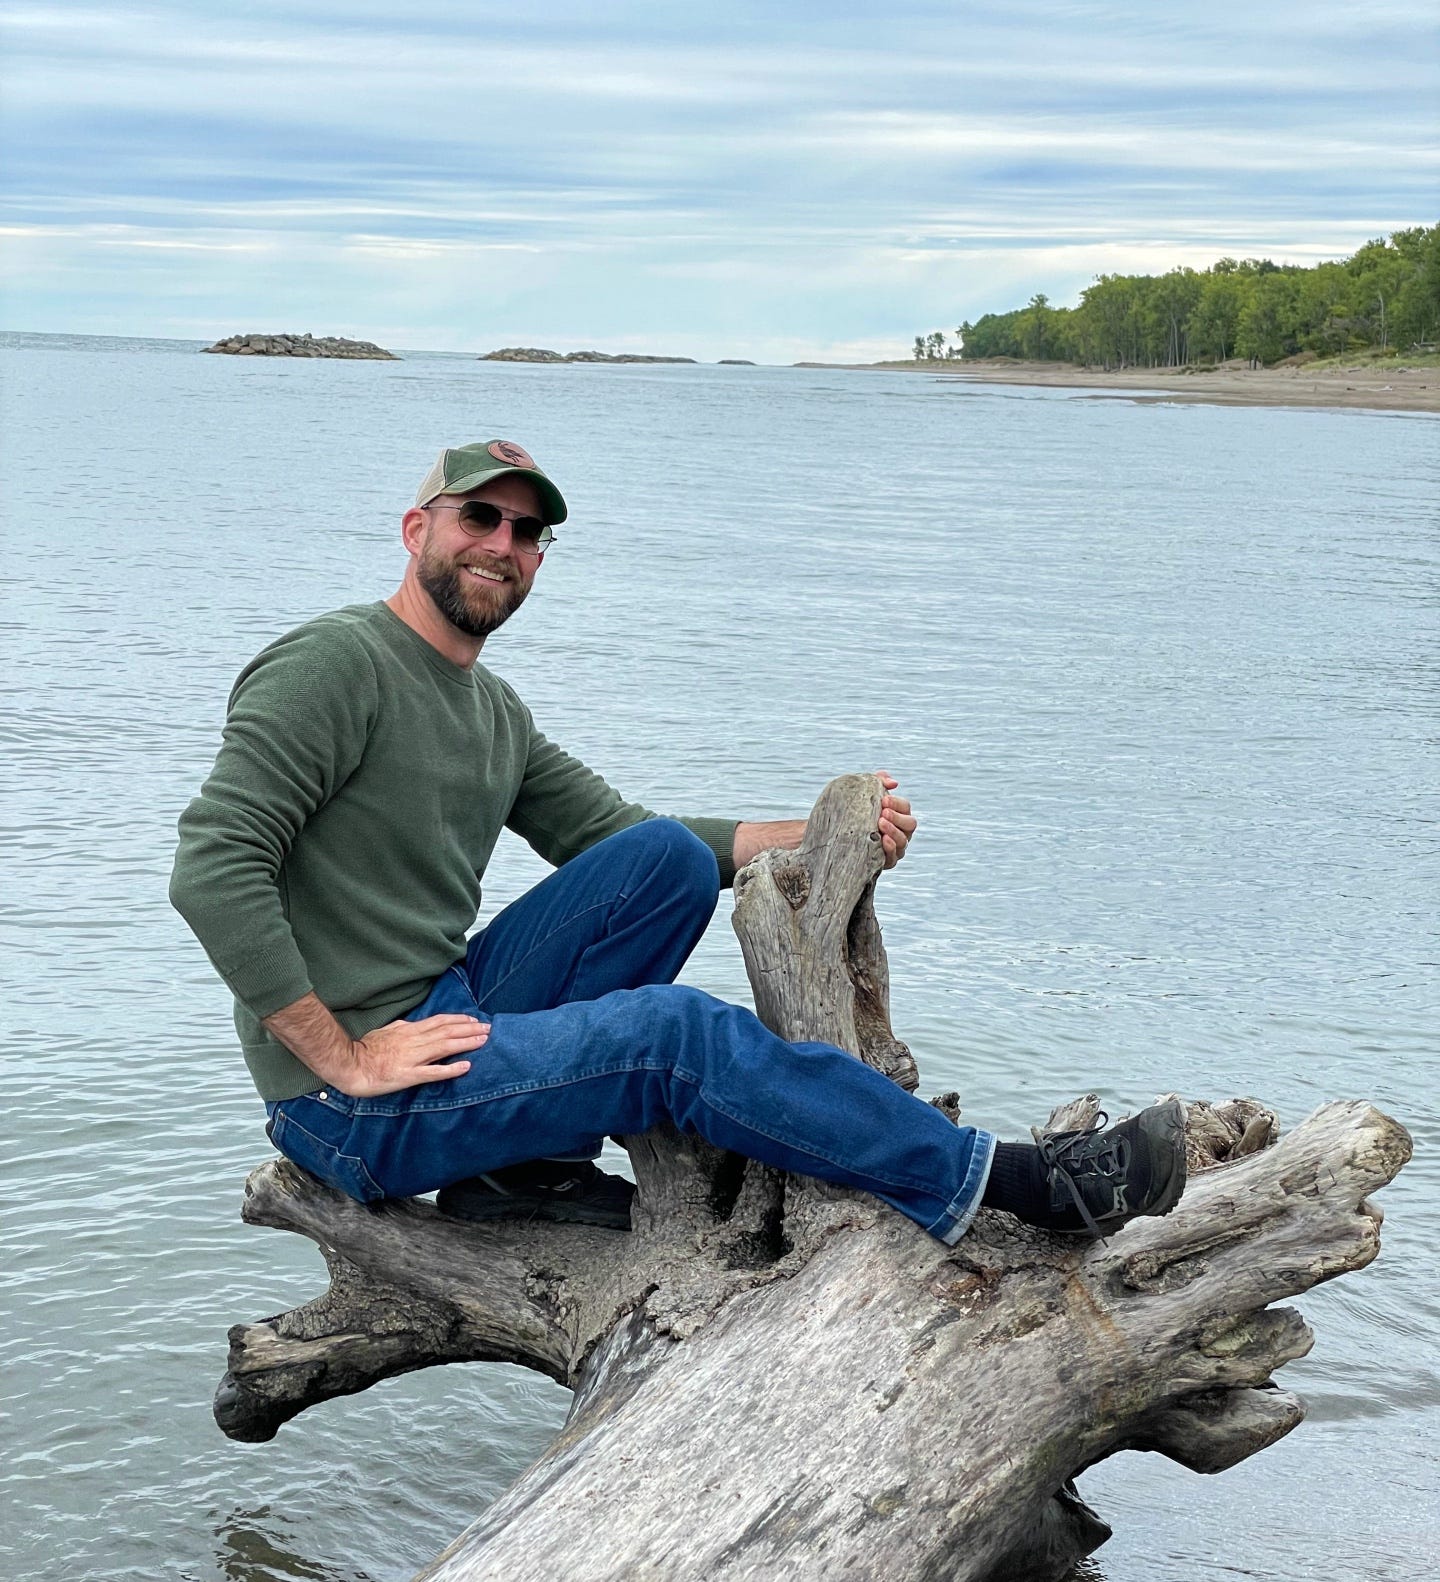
(1386, 297)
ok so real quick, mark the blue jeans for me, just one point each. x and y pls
(589, 1036)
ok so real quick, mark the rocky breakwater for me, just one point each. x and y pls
(299, 346)
(538, 354)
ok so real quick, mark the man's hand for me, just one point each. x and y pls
(406, 1054)
(398, 1055)
(897, 823)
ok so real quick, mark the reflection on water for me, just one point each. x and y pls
(258, 1545)
(1161, 682)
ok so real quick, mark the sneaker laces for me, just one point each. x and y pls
(1064, 1156)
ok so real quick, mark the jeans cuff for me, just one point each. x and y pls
(965, 1205)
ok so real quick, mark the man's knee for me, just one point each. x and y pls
(688, 863)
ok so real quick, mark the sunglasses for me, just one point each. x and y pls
(479, 518)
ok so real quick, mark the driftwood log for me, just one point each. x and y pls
(777, 1379)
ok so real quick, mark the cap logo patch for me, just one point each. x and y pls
(513, 455)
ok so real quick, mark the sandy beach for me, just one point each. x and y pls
(1400, 388)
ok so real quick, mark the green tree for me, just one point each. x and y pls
(1171, 302)
(1378, 274)
(1386, 295)
(1213, 319)
(1325, 318)
(992, 335)
(1034, 335)
(1268, 321)
(1417, 302)
(1108, 322)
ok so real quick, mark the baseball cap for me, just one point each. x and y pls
(466, 467)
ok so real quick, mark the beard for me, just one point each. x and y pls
(475, 608)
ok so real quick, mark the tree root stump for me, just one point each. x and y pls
(777, 1378)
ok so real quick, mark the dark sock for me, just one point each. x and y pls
(1018, 1184)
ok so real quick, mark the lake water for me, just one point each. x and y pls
(1160, 680)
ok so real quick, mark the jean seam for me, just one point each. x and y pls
(508, 1092)
(927, 1188)
(464, 979)
(540, 944)
(324, 1147)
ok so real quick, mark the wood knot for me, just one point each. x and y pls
(794, 884)
(949, 1105)
(975, 1288)
(1219, 1133)
(1172, 1268)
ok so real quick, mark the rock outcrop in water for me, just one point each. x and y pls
(539, 354)
(300, 346)
(774, 1377)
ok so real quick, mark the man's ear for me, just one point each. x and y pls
(412, 529)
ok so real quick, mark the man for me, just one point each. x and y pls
(331, 868)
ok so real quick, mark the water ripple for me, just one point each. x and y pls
(1162, 685)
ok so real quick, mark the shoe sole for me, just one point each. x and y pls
(1168, 1129)
(485, 1210)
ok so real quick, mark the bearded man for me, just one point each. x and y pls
(331, 867)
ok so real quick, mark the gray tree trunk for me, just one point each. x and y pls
(775, 1378)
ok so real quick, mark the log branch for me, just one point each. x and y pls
(811, 941)
(409, 1289)
(1214, 1430)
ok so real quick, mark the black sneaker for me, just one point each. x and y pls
(573, 1191)
(1100, 1180)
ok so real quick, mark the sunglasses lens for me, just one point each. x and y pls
(479, 516)
(531, 533)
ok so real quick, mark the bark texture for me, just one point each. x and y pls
(775, 1378)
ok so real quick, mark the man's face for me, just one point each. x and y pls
(477, 584)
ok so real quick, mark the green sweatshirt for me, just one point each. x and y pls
(340, 840)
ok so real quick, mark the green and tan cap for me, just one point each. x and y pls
(466, 467)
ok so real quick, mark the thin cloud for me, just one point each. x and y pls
(640, 175)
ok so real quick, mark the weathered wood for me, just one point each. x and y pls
(808, 932)
(408, 1288)
(781, 1379)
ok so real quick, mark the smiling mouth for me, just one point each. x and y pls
(480, 574)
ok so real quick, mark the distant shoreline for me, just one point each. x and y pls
(1369, 386)
(1398, 389)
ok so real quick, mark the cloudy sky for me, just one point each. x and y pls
(752, 180)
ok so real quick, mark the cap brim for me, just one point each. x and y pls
(551, 500)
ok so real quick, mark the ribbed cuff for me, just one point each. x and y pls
(719, 835)
(269, 980)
